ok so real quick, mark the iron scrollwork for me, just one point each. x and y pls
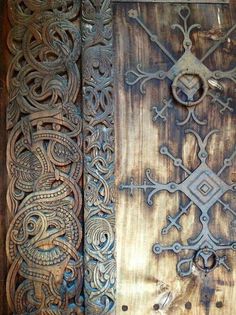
(44, 159)
(204, 188)
(100, 266)
(191, 79)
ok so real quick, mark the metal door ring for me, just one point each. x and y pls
(191, 90)
(206, 259)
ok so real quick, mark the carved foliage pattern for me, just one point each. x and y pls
(99, 157)
(44, 158)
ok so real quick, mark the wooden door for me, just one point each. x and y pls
(175, 158)
(117, 134)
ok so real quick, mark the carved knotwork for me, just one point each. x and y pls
(44, 158)
(100, 278)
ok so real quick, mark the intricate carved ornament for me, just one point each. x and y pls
(100, 278)
(44, 158)
(191, 79)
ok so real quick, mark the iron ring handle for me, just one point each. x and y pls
(175, 85)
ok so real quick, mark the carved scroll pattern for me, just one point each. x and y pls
(99, 158)
(44, 158)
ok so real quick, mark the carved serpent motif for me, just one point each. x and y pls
(45, 160)
(98, 131)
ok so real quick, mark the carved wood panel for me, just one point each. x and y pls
(52, 139)
(44, 158)
(98, 131)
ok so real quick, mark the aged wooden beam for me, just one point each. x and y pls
(44, 158)
(98, 131)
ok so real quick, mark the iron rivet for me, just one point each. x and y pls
(219, 304)
(156, 307)
(124, 308)
(188, 305)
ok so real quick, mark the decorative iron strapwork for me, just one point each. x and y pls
(204, 188)
(191, 79)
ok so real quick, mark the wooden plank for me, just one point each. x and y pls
(149, 284)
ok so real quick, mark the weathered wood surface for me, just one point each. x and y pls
(147, 283)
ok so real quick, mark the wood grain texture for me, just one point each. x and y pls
(149, 284)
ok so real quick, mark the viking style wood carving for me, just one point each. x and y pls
(99, 158)
(44, 158)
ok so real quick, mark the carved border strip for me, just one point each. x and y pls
(44, 158)
(98, 131)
